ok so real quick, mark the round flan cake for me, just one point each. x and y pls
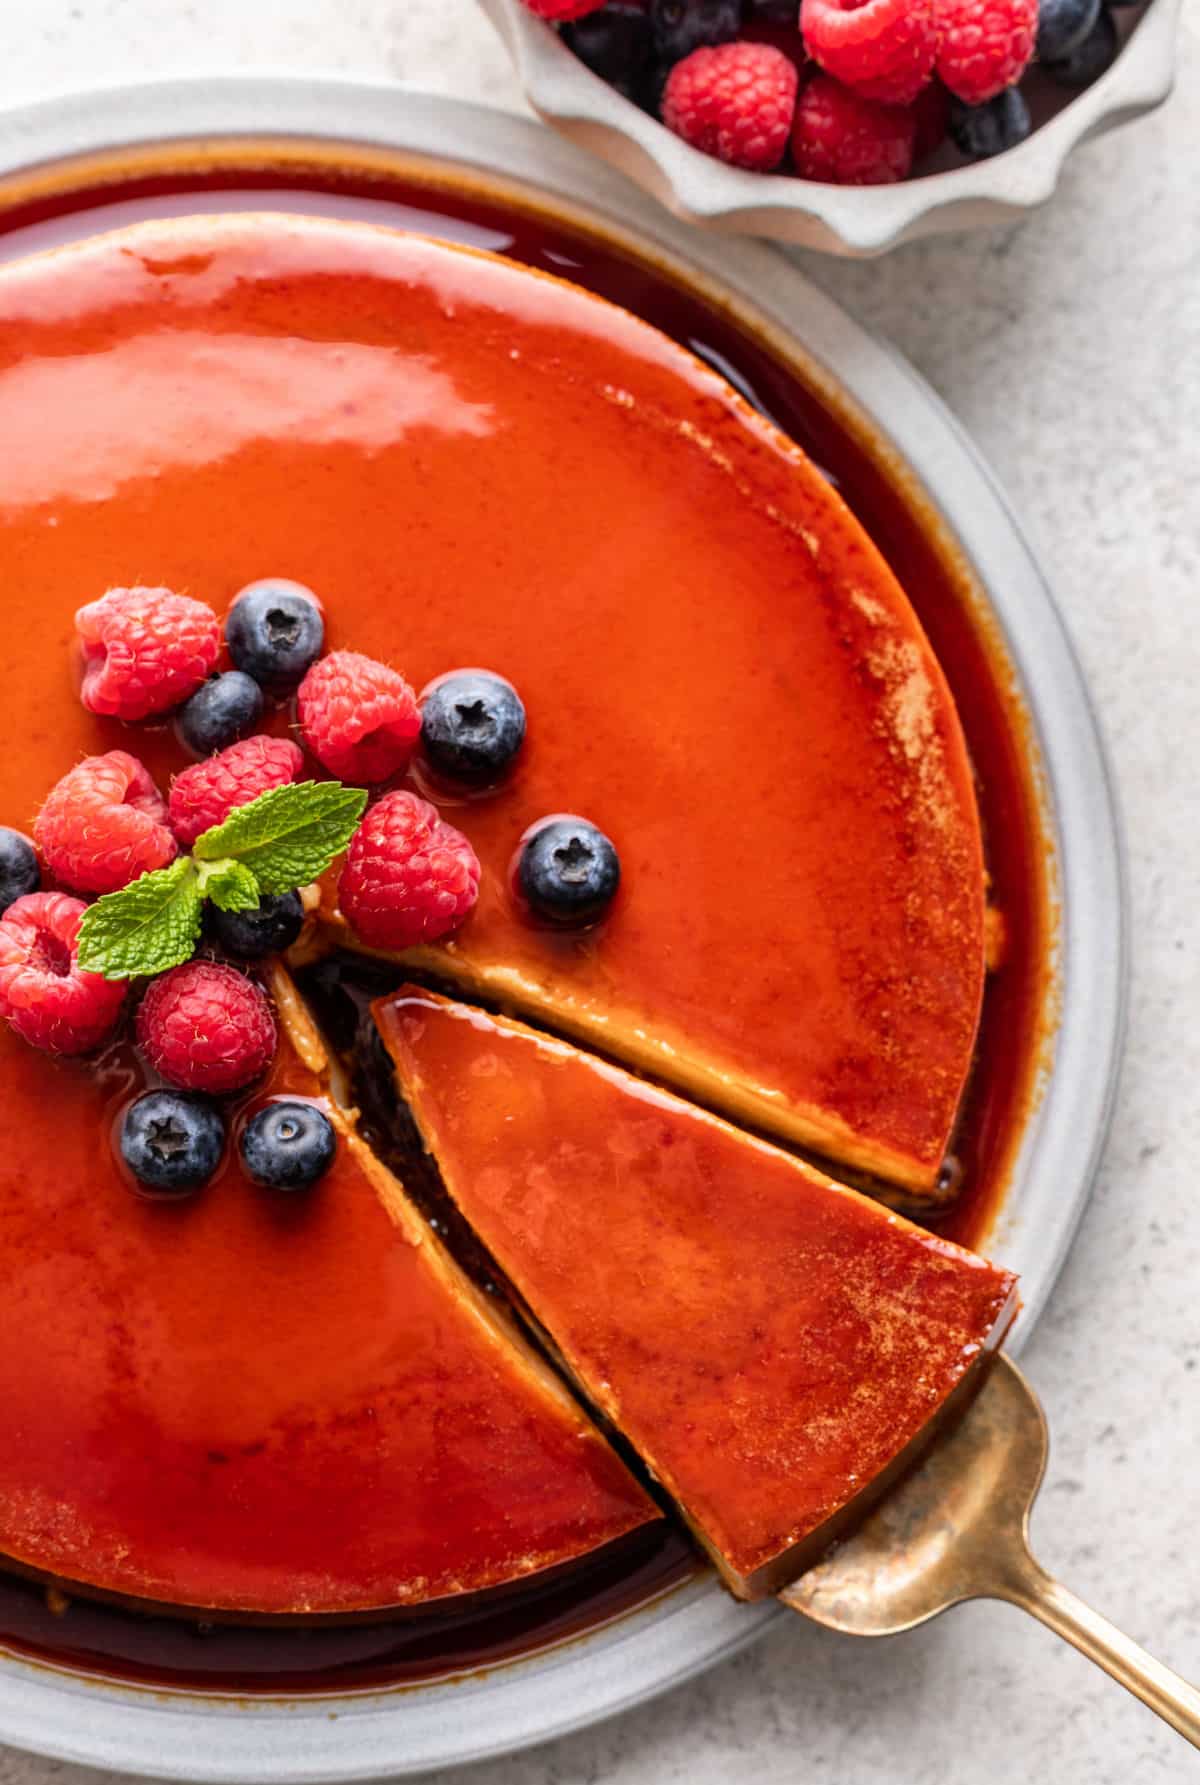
(223, 1406)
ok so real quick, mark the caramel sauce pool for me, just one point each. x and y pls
(406, 1650)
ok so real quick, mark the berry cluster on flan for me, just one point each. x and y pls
(378, 595)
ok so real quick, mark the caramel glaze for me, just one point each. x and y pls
(895, 512)
(542, 484)
(250, 1404)
(246, 1659)
(770, 1343)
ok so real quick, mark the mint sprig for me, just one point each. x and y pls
(146, 927)
(288, 836)
(230, 885)
(280, 841)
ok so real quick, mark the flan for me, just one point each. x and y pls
(775, 1347)
(474, 464)
(254, 1406)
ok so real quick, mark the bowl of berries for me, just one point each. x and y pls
(843, 125)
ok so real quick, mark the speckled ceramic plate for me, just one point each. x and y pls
(60, 147)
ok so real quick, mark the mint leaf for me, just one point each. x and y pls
(289, 835)
(280, 841)
(147, 927)
(230, 885)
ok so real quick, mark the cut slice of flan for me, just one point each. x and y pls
(473, 464)
(255, 1405)
(775, 1347)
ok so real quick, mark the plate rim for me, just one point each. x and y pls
(228, 1741)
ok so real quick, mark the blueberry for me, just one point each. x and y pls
(288, 1145)
(681, 26)
(1063, 25)
(225, 709)
(567, 870)
(773, 12)
(614, 43)
(275, 630)
(1089, 59)
(1000, 123)
(472, 726)
(248, 935)
(171, 1142)
(19, 871)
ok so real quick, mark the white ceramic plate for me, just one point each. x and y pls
(186, 1736)
(852, 220)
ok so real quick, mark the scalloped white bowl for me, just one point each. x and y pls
(849, 220)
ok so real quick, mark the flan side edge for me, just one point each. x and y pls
(491, 1318)
(802, 1125)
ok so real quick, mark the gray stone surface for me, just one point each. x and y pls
(1071, 349)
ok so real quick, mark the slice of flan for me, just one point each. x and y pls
(255, 1405)
(775, 1347)
(473, 464)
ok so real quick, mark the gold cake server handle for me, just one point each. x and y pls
(957, 1529)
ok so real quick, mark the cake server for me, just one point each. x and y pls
(957, 1529)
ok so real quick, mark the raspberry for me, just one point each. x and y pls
(44, 993)
(359, 718)
(104, 824)
(558, 10)
(734, 101)
(984, 45)
(884, 49)
(205, 1027)
(847, 140)
(208, 792)
(145, 650)
(409, 876)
